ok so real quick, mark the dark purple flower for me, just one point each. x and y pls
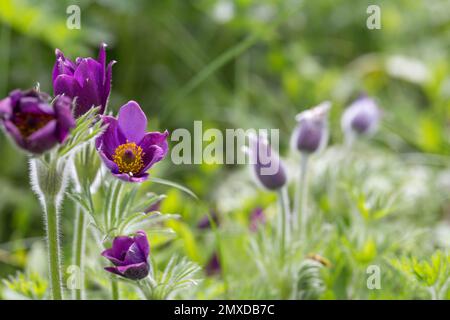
(267, 166)
(213, 266)
(311, 133)
(257, 218)
(125, 147)
(87, 79)
(362, 117)
(129, 255)
(34, 124)
(205, 223)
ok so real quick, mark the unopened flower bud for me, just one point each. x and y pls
(362, 117)
(268, 168)
(311, 133)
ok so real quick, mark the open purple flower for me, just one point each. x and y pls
(87, 79)
(33, 123)
(129, 255)
(311, 133)
(125, 147)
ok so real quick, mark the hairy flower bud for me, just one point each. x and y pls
(311, 133)
(268, 168)
(362, 117)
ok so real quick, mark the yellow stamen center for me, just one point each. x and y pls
(128, 157)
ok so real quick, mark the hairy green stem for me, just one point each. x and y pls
(79, 244)
(53, 245)
(300, 208)
(284, 220)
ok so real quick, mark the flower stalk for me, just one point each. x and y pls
(300, 202)
(49, 181)
(79, 245)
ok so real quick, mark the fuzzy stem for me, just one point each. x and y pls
(300, 208)
(284, 214)
(54, 255)
(114, 289)
(79, 244)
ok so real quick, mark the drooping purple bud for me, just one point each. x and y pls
(129, 255)
(311, 133)
(362, 117)
(267, 167)
(257, 219)
(33, 123)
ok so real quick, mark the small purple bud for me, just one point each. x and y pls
(267, 166)
(129, 255)
(311, 133)
(257, 219)
(213, 266)
(204, 222)
(362, 117)
(33, 123)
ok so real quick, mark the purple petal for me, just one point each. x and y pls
(5, 108)
(15, 133)
(134, 255)
(62, 65)
(43, 139)
(102, 55)
(132, 122)
(134, 271)
(127, 178)
(121, 245)
(64, 116)
(141, 240)
(112, 137)
(113, 270)
(109, 254)
(111, 165)
(66, 85)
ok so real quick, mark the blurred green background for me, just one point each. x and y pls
(234, 64)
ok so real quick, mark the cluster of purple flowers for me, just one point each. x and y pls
(38, 124)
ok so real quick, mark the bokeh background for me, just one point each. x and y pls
(253, 64)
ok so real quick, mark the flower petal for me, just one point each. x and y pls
(141, 240)
(126, 177)
(132, 122)
(64, 116)
(66, 85)
(111, 138)
(134, 271)
(43, 139)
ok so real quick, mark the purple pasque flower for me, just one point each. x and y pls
(311, 133)
(129, 255)
(257, 219)
(267, 167)
(362, 117)
(87, 79)
(33, 123)
(125, 147)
